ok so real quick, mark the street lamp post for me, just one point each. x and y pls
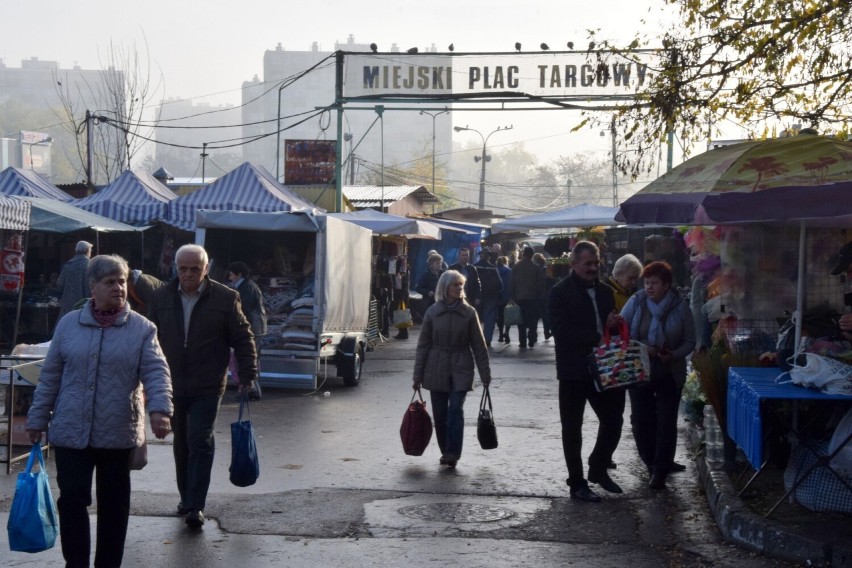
(434, 115)
(485, 157)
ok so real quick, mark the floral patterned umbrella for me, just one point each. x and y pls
(784, 179)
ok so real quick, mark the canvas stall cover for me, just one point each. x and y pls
(247, 188)
(135, 197)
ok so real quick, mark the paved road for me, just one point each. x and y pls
(336, 487)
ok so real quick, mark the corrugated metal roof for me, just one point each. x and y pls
(373, 195)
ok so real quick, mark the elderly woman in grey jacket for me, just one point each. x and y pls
(661, 321)
(100, 359)
(450, 342)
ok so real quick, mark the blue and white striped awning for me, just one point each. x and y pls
(247, 188)
(15, 181)
(135, 197)
(14, 214)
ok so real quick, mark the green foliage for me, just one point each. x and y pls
(749, 61)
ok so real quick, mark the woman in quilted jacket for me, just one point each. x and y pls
(102, 356)
(662, 321)
(450, 343)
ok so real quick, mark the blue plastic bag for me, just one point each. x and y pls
(33, 524)
(245, 466)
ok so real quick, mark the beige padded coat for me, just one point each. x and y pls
(450, 341)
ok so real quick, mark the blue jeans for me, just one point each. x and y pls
(74, 470)
(448, 411)
(194, 447)
(488, 314)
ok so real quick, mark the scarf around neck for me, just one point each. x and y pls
(656, 335)
(105, 318)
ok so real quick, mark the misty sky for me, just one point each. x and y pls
(206, 48)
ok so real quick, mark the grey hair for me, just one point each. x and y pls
(83, 247)
(625, 265)
(448, 278)
(433, 257)
(105, 265)
(194, 249)
(584, 246)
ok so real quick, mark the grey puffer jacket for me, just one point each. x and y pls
(450, 340)
(90, 390)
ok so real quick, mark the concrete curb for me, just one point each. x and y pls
(740, 526)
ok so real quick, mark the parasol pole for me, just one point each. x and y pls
(800, 289)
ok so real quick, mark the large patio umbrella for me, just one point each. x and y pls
(804, 180)
(784, 179)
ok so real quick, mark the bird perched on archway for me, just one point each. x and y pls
(413, 50)
(544, 47)
(451, 47)
(518, 46)
(374, 48)
(570, 45)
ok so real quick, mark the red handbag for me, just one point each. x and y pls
(416, 428)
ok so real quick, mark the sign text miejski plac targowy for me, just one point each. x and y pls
(541, 78)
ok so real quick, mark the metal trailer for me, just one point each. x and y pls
(341, 284)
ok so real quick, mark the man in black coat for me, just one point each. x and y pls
(580, 307)
(198, 322)
(472, 286)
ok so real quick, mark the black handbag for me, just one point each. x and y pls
(486, 431)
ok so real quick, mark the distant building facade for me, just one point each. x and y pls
(407, 134)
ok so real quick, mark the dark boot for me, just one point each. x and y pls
(403, 333)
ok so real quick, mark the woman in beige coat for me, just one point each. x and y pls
(450, 341)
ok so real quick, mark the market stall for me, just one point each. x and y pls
(247, 188)
(314, 273)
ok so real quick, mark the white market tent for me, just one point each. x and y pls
(135, 197)
(386, 224)
(247, 188)
(584, 215)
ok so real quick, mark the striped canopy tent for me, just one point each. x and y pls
(14, 214)
(15, 181)
(247, 188)
(135, 197)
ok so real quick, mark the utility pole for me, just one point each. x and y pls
(485, 157)
(89, 180)
(204, 155)
(614, 165)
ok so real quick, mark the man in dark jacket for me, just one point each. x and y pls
(140, 288)
(491, 288)
(580, 307)
(198, 322)
(527, 290)
(472, 286)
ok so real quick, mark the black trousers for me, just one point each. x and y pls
(527, 331)
(74, 470)
(653, 418)
(608, 407)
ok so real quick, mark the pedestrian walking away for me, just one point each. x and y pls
(251, 301)
(581, 306)
(198, 322)
(450, 344)
(490, 293)
(96, 411)
(73, 282)
(526, 290)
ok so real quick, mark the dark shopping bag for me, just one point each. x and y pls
(33, 524)
(416, 428)
(486, 430)
(245, 466)
(619, 361)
